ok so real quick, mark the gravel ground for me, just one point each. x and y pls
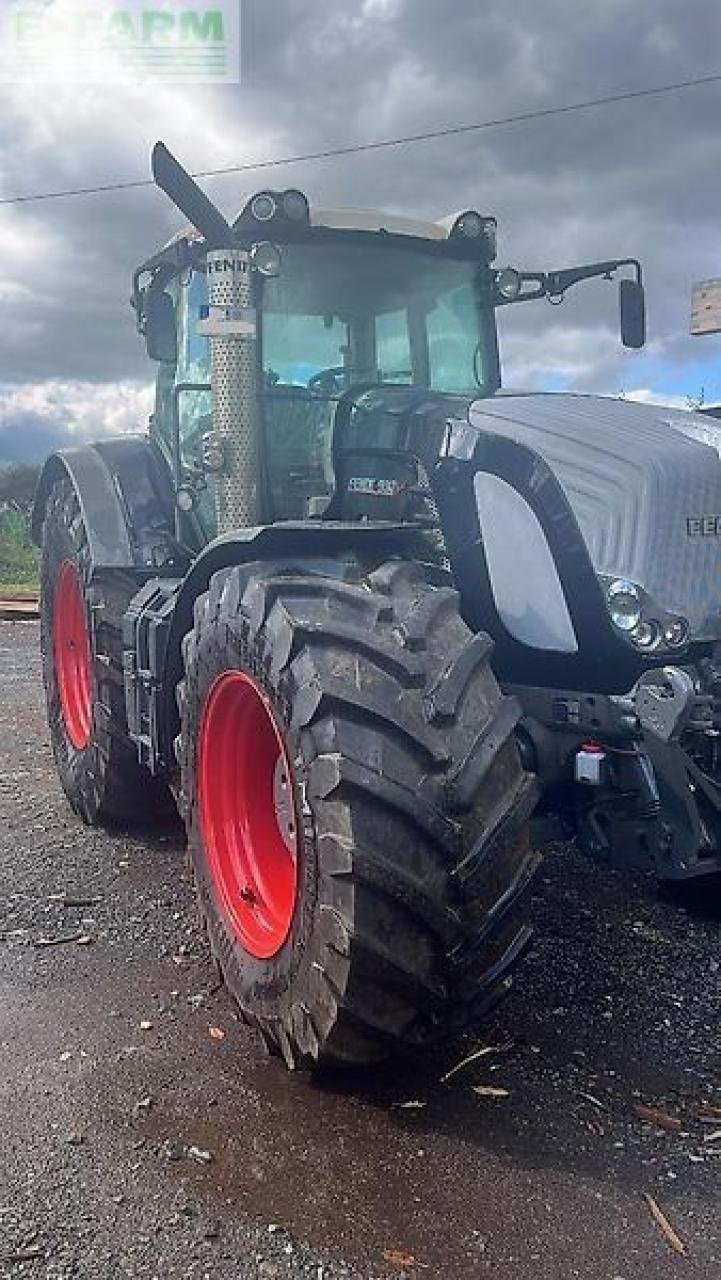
(118, 1057)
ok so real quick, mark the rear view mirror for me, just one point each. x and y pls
(159, 327)
(632, 306)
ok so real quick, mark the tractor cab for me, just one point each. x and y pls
(344, 300)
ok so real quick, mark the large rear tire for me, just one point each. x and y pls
(380, 909)
(83, 675)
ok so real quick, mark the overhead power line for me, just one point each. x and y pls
(405, 140)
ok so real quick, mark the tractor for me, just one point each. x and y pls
(287, 608)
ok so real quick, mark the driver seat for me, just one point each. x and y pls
(299, 434)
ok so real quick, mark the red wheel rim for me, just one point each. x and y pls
(71, 644)
(247, 813)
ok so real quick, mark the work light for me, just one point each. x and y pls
(646, 635)
(263, 206)
(265, 258)
(295, 206)
(508, 283)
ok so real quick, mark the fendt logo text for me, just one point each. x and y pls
(703, 526)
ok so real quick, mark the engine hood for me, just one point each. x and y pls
(644, 483)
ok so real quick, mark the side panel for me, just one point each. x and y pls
(545, 552)
(126, 495)
(641, 481)
(525, 583)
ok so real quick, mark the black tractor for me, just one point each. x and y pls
(280, 608)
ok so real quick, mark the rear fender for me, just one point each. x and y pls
(126, 496)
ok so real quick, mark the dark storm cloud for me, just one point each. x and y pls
(635, 178)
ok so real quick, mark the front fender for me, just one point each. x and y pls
(320, 544)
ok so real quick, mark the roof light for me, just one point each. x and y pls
(470, 225)
(295, 206)
(263, 206)
(474, 227)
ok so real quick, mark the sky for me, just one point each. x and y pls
(639, 178)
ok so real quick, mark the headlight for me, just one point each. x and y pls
(646, 635)
(508, 283)
(624, 604)
(265, 258)
(263, 207)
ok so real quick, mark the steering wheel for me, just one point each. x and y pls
(328, 382)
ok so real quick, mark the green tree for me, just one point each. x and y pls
(17, 486)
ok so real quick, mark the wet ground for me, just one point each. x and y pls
(118, 1057)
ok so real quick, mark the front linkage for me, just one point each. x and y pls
(639, 776)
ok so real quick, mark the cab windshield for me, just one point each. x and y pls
(375, 315)
(337, 316)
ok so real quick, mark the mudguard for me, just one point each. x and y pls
(125, 491)
(162, 613)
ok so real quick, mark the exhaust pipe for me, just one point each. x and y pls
(232, 331)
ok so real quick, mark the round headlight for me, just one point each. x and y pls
(508, 283)
(624, 604)
(262, 207)
(295, 206)
(470, 225)
(675, 633)
(646, 635)
(265, 258)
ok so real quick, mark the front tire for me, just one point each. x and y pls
(407, 840)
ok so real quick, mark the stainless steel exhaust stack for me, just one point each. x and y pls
(231, 328)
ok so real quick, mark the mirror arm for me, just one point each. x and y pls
(553, 284)
(558, 281)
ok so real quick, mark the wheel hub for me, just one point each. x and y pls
(247, 813)
(71, 645)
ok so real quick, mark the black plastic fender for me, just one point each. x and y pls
(316, 545)
(126, 496)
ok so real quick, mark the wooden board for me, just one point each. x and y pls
(706, 307)
(18, 608)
